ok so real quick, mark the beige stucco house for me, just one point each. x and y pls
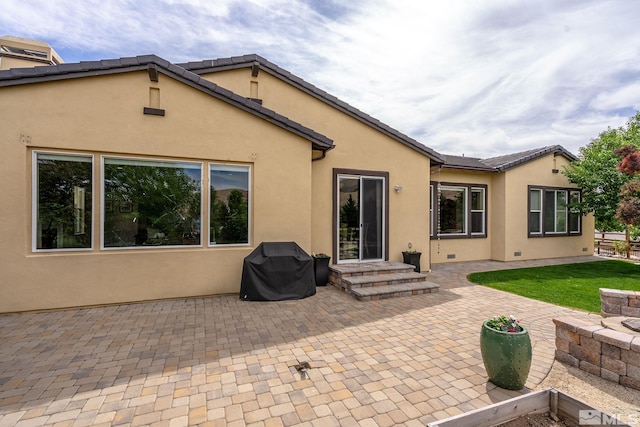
(507, 208)
(136, 179)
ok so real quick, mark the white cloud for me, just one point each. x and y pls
(625, 94)
(480, 78)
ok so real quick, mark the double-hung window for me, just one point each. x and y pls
(478, 211)
(551, 212)
(459, 210)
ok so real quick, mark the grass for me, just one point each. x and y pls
(567, 285)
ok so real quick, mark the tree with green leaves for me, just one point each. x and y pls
(58, 182)
(629, 207)
(235, 228)
(596, 173)
(166, 199)
(350, 213)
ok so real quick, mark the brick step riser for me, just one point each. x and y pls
(374, 273)
(381, 284)
(393, 295)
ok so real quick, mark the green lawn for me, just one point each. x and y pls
(567, 285)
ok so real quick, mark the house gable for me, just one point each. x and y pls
(256, 64)
(505, 162)
(95, 112)
(364, 147)
(155, 65)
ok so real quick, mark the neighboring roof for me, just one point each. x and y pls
(31, 50)
(257, 62)
(153, 63)
(503, 163)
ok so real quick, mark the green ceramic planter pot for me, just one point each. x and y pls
(506, 356)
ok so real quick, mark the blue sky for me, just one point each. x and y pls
(462, 76)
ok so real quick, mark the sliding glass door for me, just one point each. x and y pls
(361, 218)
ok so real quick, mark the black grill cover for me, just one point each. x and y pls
(277, 271)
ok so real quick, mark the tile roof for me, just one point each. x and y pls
(462, 162)
(215, 65)
(502, 163)
(505, 162)
(21, 76)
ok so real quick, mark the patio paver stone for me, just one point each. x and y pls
(223, 361)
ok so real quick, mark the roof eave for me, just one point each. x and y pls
(555, 150)
(22, 76)
(204, 67)
(469, 168)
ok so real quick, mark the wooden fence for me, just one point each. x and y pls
(607, 245)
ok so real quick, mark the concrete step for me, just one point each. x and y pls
(366, 269)
(378, 280)
(374, 293)
(382, 279)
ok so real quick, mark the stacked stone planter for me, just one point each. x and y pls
(615, 302)
(607, 353)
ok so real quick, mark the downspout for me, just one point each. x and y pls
(322, 156)
(431, 222)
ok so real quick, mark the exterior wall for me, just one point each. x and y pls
(539, 173)
(357, 146)
(104, 115)
(507, 238)
(499, 208)
(8, 62)
(452, 249)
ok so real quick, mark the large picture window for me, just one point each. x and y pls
(151, 203)
(551, 212)
(62, 201)
(459, 210)
(229, 204)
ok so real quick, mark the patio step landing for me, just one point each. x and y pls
(379, 280)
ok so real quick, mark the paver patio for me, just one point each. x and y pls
(222, 361)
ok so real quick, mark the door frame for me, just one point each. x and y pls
(335, 220)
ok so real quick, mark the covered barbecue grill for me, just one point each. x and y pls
(277, 271)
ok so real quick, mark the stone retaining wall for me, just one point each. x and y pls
(614, 302)
(610, 354)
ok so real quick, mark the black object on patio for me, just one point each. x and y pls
(277, 271)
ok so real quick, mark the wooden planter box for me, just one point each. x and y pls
(548, 400)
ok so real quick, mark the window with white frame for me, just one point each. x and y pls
(432, 213)
(459, 210)
(151, 202)
(575, 219)
(63, 203)
(145, 202)
(478, 200)
(535, 211)
(552, 212)
(229, 204)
